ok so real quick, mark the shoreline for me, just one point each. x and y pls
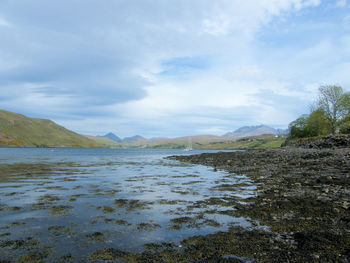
(303, 197)
(297, 209)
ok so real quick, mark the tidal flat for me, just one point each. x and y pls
(302, 200)
(104, 205)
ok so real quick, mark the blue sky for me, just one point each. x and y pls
(170, 68)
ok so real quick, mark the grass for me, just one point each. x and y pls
(19, 130)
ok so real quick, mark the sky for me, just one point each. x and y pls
(169, 68)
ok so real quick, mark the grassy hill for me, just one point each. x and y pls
(19, 130)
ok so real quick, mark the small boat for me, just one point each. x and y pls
(189, 147)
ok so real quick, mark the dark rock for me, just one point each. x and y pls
(329, 142)
(303, 197)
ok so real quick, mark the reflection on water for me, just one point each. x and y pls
(65, 204)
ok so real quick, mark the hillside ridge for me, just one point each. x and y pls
(22, 131)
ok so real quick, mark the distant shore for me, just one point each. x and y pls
(303, 196)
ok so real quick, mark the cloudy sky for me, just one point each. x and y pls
(170, 67)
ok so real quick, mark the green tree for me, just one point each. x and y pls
(299, 128)
(317, 123)
(335, 104)
(345, 125)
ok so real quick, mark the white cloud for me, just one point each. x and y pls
(4, 22)
(217, 26)
(217, 101)
(341, 3)
(346, 22)
(102, 66)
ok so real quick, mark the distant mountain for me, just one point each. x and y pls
(132, 138)
(19, 130)
(247, 131)
(112, 136)
(105, 142)
(282, 131)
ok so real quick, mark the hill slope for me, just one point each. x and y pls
(19, 130)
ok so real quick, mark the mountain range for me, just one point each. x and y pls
(19, 130)
(112, 136)
(199, 141)
(115, 138)
(247, 131)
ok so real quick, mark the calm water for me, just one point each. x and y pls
(74, 201)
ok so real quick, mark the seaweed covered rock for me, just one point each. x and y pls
(335, 141)
(302, 196)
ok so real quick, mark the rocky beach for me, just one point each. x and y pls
(303, 199)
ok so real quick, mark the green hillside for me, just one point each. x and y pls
(19, 130)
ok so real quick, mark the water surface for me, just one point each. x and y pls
(72, 202)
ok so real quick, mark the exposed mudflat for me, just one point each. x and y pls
(303, 197)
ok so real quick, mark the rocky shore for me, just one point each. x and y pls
(335, 141)
(303, 197)
(289, 204)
